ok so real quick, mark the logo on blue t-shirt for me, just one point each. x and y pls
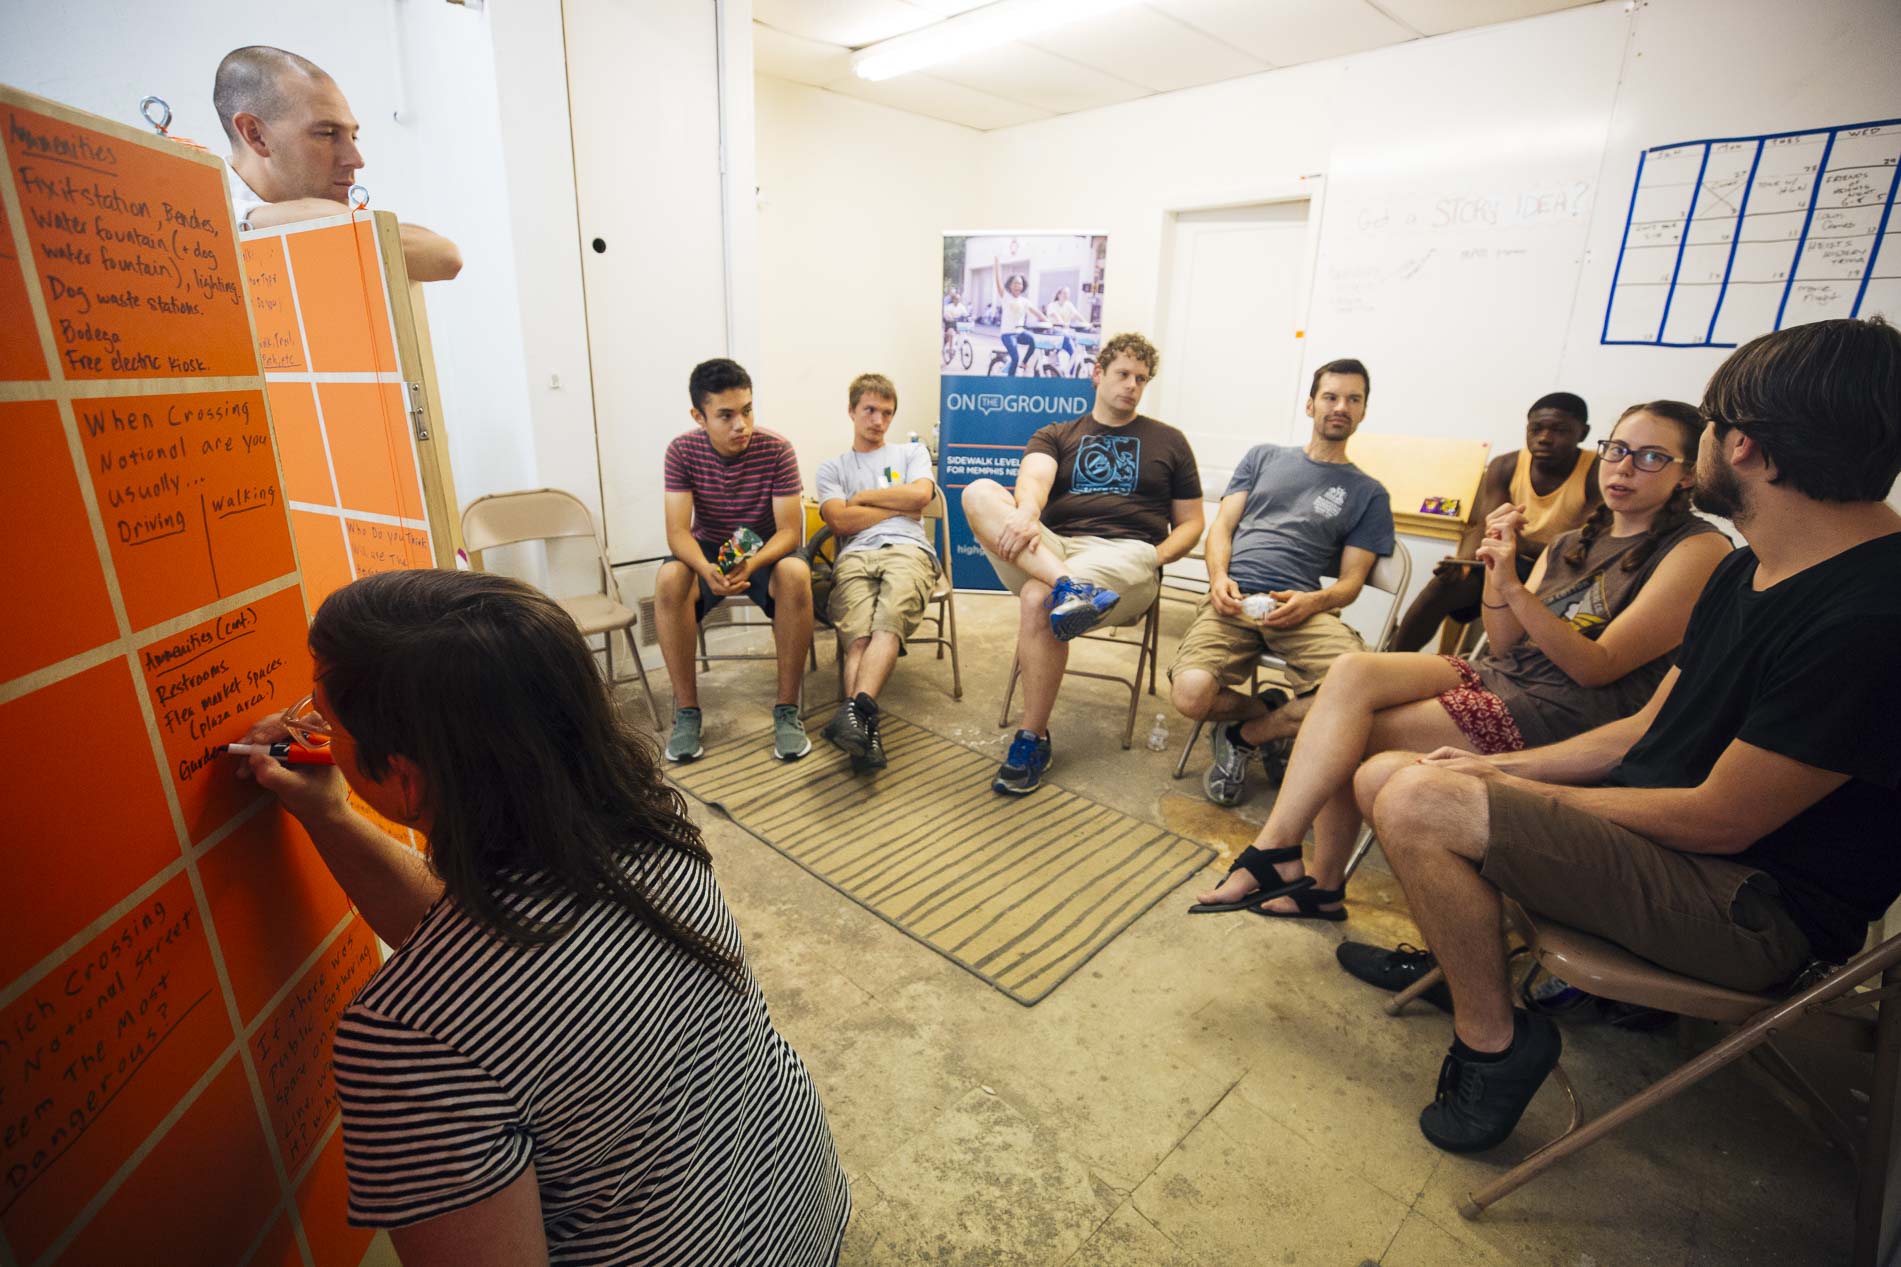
(1106, 464)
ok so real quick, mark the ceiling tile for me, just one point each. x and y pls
(1149, 48)
(925, 94)
(1288, 32)
(1436, 17)
(1017, 72)
(852, 23)
(800, 60)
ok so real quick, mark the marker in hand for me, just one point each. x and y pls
(284, 750)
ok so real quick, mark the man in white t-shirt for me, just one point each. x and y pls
(873, 498)
(293, 150)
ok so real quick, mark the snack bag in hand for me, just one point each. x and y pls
(737, 548)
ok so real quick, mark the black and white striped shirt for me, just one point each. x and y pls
(666, 1119)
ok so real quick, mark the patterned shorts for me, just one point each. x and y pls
(1480, 715)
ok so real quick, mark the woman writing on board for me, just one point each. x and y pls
(1583, 642)
(566, 1058)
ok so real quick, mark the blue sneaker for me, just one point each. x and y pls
(1076, 607)
(1022, 769)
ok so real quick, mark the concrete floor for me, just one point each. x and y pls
(1207, 1090)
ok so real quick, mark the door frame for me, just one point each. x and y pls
(1310, 189)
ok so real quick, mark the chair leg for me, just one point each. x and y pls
(1135, 701)
(1361, 847)
(1802, 1100)
(957, 677)
(1739, 1044)
(1155, 642)
(1872, 1183)
(640, 667)
(705, 662)
(1194, 737)
(1009, 692)
(1397, 1004)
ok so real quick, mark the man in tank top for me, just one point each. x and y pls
(1742, 824)
(1554, 478)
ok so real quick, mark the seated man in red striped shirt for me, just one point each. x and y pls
(723, 480)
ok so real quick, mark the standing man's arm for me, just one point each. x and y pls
(427, 255)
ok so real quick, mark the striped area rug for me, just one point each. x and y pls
(1020, 891)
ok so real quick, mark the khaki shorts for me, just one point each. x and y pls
(881, 589)
(1228, 646)
(1702, 916)
(1130, 568)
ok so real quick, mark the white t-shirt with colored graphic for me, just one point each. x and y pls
(854, 472)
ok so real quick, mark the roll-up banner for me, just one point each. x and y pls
(1022, 316)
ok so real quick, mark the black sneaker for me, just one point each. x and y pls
(1274, 755)
(1478, 1103)
(1392, 970)
(847, 729)
(874, 751)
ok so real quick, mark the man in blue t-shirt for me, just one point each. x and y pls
(1742, 823)
(1289, 517)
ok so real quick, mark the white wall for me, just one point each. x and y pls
(853, 198)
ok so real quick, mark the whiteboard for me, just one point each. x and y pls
(1454, 229)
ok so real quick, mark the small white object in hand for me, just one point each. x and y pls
(1257, 606)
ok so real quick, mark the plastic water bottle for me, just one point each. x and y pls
(1257, 607)
(1158, 734)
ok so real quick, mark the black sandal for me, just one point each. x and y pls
(1309, 901)
(1259, 863)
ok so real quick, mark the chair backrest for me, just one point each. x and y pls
(1392, 574)
(541, 514)
(937, 526)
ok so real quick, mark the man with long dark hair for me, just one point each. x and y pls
(569, 1058)
(1740, 825)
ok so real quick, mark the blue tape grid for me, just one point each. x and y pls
(1761, 139)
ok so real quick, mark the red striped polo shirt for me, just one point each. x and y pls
(732, 493)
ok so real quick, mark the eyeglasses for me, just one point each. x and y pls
(1615, 451)
(306, 725)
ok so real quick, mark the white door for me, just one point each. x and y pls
(644, 98)
(1230, 349)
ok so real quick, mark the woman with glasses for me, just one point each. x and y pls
(1583, 641)
(566, 1058)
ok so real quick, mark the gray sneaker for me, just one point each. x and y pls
(789, 741)
(1226, 779)
(684, 743)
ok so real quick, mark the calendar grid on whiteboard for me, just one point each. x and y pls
(1771, 230)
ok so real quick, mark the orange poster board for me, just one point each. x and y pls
(330, 299)
(173, 954)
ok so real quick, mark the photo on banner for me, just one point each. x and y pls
(1022, 317)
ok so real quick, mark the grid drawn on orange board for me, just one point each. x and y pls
(370, 471)
(43, 136)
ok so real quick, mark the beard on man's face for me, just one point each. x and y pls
(1717, 491)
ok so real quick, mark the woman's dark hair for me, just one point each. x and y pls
(1824, 402)
(1675, 513)
(536, 786)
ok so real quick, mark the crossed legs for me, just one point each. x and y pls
(1369, 703)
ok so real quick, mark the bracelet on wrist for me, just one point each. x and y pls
(1497, 607)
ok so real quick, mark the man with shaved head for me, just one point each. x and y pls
(293, 150)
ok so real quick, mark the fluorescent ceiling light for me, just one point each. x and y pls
(973, 32)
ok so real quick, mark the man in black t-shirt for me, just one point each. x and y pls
(1101, 503)
(1742, 823)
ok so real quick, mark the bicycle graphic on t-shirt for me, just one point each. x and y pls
(1106, 464)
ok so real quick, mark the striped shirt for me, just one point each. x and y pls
(732, 493)
(667, 1120)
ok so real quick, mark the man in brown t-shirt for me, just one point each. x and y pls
(1101, 503)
